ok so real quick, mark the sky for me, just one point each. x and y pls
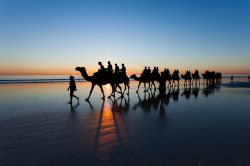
(55, 36)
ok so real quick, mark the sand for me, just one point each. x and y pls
(188, 126)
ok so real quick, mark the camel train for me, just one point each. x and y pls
(118, 76)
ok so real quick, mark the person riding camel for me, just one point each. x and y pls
(116, 74)
(149, 71)
(110, 68)
(123, 70)
(101, 71)
(144, 72)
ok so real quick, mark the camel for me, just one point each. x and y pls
(187, 78)
(210, 77)
(142, 79)
(175, 77)
(196, 77)
(100, 79)
(167, 77)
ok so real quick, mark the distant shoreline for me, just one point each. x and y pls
(59, 78)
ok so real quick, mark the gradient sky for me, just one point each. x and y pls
(55, 36)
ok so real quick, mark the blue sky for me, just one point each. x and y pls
(59, 35)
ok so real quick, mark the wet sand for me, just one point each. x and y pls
(188, 126)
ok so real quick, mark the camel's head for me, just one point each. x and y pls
(80, 68)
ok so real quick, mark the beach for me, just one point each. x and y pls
(198, 125)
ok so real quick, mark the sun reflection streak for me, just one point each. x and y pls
(109, 131)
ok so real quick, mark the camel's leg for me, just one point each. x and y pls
(145, 87)
(103, 96)
(138, 87)
(125, 88)
(149, 86)
(169, 83)
(92, 87)
(153, 83)
(113, 90)
(119, 88)
(128, 88)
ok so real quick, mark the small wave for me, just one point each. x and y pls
(37, 81)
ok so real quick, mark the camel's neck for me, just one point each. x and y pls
(85, 75)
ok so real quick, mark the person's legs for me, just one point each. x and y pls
(71, 95)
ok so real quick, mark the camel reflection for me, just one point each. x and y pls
(120, 104)
(111, 130)
(151, 101)
(210, 89)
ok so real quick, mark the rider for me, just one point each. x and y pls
(110, 68)
(123, 69)
(144, 72)
(102, 69)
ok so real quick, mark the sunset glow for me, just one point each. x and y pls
(48, 38)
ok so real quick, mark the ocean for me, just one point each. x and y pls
(65, 78)
(193, 125)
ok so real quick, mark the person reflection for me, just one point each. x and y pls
(72, 108)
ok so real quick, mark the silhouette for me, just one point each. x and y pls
(211, 77)
(155, 76)
(196, 77)
(110, 68)
(167, 76)
(187, 78)
(176, 77)
(103, 79)
(72, 88)
(142, 79)
(101, 71)
(148, 77)
(123, 69)
(232, 78)
(248, 78)
(98, 78)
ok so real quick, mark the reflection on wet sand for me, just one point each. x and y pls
(111, 130)
(152, 101)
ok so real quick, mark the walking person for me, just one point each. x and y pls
(72, 88)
